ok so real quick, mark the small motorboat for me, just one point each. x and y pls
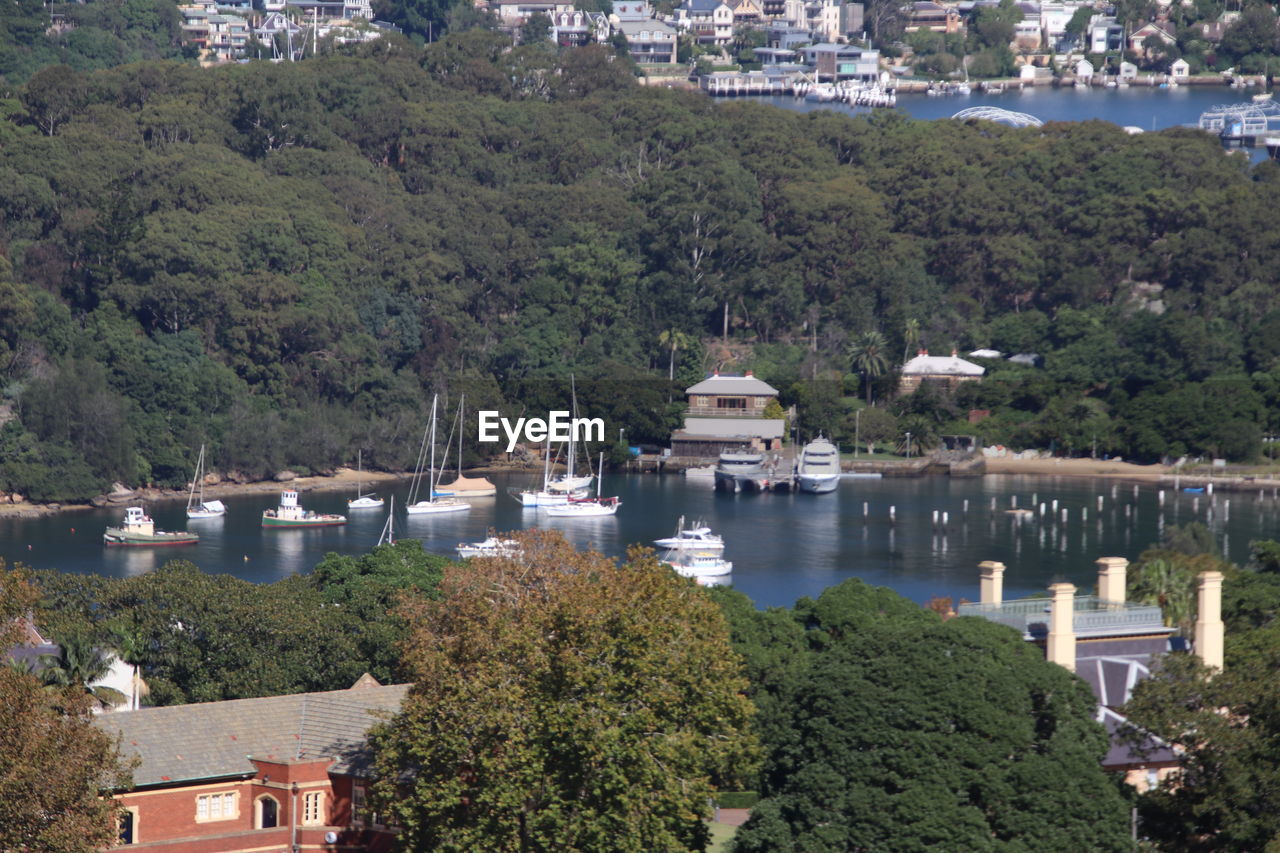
(697, 537)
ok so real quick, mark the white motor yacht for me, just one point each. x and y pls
(697, 537)
(818, 468)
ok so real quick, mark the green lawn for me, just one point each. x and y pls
(721, 837)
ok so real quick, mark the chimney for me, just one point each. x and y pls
(922, 352)
(750, 374)
(992, 584)
(1061, 648)
(954, 352)
(1209, 620)
(1111, 579)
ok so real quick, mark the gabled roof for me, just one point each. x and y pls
(724, 383)
(703, 6)
(937, 365)
(212, 740)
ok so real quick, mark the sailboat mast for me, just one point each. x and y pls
(431, 477)
(546, 465)
(462, 425)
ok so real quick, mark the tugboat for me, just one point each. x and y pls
(289, 514)
(139, 530)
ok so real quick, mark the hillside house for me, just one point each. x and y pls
(1140, 35)
(649, 42)
(832, 62)
(576, 28)
(1110, 642)
(272, 774)
(927, 15)
(943, 370)
(709, 21)
(726, 412)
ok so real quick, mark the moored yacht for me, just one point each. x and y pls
(139, 530)
(491, 547)
(818, 468)
(290, 514)
(697, 537)
(708, 568)
(740, 470)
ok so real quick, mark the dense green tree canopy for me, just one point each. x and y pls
(284, 261)
(563, 702)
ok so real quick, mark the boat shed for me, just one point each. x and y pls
(726, 412)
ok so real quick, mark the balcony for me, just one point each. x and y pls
(1092, 617)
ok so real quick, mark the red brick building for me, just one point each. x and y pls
(281, 773)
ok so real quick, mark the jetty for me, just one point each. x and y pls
(1251, 124)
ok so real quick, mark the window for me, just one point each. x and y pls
(268, 812)
(216, 806)
(129, 827)
(731, 402)
(311, 807)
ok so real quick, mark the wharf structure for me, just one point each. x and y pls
(1252, 124)
(1110, 642)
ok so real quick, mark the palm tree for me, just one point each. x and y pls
(131, 647)
(675, 339)
(1165, 583)
(869, 359)
(79, 663)
(910, 337)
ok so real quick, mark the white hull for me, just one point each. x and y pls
(437, 507)
(210, 509)
(674, 544)
(704, 567)
(818, 485)
(490, 547)
(365, 503)
(585, 509)
(565, 485)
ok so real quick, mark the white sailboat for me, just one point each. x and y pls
(362, 501)
(570, 482)
(591, 508)
(201, 508)
(465, 487)
(432, 504)
(544, 497)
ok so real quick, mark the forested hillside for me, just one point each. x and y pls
(285, 261)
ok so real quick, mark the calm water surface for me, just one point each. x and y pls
(782, 546)
(1137, 106)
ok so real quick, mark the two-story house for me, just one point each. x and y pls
(726, 412)
(709, 21)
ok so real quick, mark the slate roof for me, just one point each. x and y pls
(212, 740)
(1149, 750)
(724, 383)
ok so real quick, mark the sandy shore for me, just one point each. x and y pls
(1075, 468)
(342, 479)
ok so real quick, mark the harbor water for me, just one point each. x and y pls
(1136, 106)
(923, 537)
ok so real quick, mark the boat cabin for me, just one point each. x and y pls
(136, 521)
